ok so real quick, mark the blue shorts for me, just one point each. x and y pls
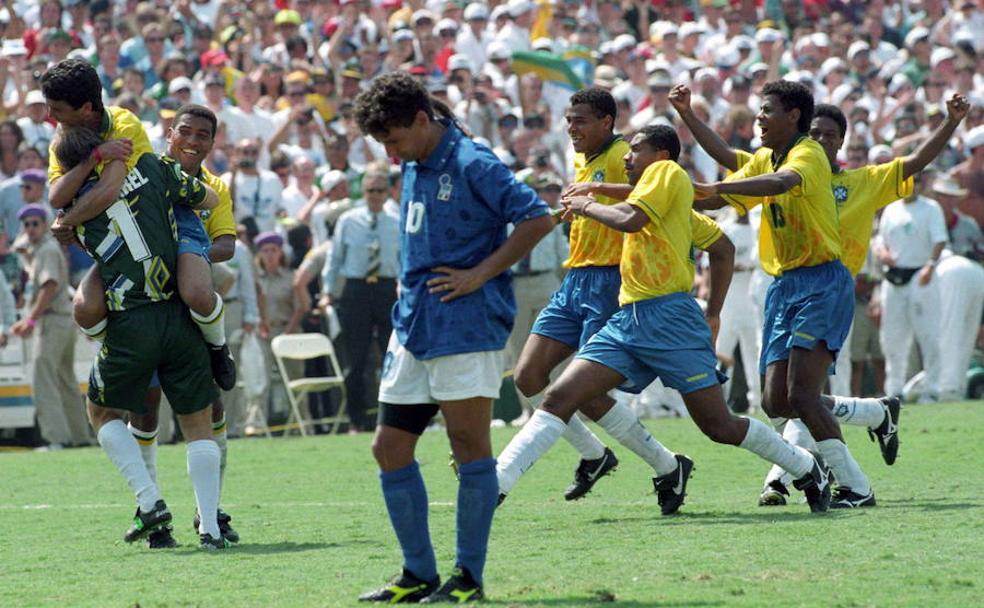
(587, 298)
(804, 306)
(665, 337)
(192, 237)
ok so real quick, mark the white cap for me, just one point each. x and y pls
(841, 92)
(605, 48)
(519, 7)
(973, 139)
(857, 47)
(332, 179)
(33, 97)
(459, 62)
(948, 186)
(181, 82)
(499, 11)
(941, 54)
(499, 50)
(623, 42)
(420, 15)
(890, 67)
(662, 29)
(706, 73)
(605, 76)
(879, 151)
(821, 40)
(742, 42)
(542, 44)
(476, 11)
(653, 65)
(917, 34)
(758, 66)
(830, 64)
(446, 24)
(689, 28)
(402, 34)
(767, 34)
(898, 81)
(727, 57)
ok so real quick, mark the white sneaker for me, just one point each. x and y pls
(51, 447)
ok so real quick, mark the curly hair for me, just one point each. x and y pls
(192, 109)
(72, 146)
(601, 102)
(75, 82)
(662, 137)
(391, 101)
(833, 113)
(793, 95)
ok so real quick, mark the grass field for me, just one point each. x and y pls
(315, 532)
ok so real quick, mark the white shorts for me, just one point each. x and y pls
(408, 380)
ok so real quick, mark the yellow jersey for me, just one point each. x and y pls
(859, 194)
(705, 230)
(117, 123)
(800, 227)
(218, 221)
(657, 260)
(593, 243)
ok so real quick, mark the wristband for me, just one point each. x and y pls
(97, 155)
(30, 322)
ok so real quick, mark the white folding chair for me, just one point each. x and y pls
(302, 347)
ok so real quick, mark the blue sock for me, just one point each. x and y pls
(478, 492)
(406, 501)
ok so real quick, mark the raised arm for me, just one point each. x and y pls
(64, 188)
(706, 137)
(957, 108)
(770, 184)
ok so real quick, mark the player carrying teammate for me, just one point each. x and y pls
(451, 322)
(131, 232)
(659, 331)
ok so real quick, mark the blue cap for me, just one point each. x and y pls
(31, 211)
(264, 238)
(34, 175)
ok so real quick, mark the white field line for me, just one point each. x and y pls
(288, 504)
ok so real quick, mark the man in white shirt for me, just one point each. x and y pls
(516, 33)
(256, 193)
(247, 121)
(474, 39)
(37, 130)
(302, 189)
(912, 235)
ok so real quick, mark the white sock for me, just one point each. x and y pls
(621, 423)
(527, 446)
(96, 332)
(844, 467)
(147, 440)
(123, 450)
(203, 468)
(795, 433)
(766, 443)
(212, 327)
(859, 412)
(778, 423)
(584, 441)
(222, 438)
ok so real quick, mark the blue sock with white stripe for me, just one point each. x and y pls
(478, 492)
(406, 501)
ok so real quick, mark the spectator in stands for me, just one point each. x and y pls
(256, 193)
(11, 138)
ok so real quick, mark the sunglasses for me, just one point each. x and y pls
(375, 190)
(31, 223)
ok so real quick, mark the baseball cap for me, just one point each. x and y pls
(179, 83)
(974, 138)
(214, 57)
(33, 97)
(287, 16)
(459, 62)
(34, 175)
(519, 7)
(266, 238)
(476, 12)
(332, 179)
(948, 186)
(605, 76)
(941, 54)
(402, 34)
(916, 35)
(857, 47)
(31, 210)
(421, 15)
(768, 35)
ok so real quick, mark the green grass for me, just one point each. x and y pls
(315, 532)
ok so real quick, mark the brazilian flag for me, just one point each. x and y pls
(550, 67)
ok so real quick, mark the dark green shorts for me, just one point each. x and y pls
(161, 337)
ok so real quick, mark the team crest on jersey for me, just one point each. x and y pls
(840, 194)
(598, 176)
(444, 192)
(205, 214)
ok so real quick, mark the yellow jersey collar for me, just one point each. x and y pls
(608, 144)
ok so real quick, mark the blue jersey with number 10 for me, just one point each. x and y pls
(454, 209)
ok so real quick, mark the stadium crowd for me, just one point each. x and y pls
(316, 201)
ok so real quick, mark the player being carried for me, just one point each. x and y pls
(659, 330)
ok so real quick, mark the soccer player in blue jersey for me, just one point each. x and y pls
(450, 324)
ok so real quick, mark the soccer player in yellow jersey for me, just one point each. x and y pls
(858, 194)
(659, 330)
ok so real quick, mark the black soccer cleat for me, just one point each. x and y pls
(671, 488)
(161, 539)
(145, 523)
(500, 500)
(774, 494)
(588, 473)
(846, 498)
(223, 366)
(458, 589)
(816, 485)
(404, 589)
(210, 543)
(887, 433)
(224, 518)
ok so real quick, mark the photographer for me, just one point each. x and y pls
(256, 193)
